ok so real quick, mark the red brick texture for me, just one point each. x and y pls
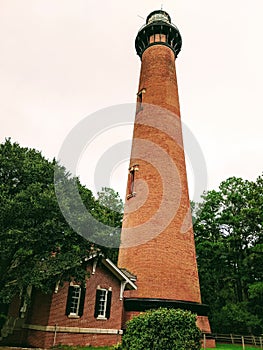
(165, 261)
(17, 337)
(103, 278)
(204, 325)
(157, 235)
(47, 339)
(39, 309)
(49, 311)
(158, 77)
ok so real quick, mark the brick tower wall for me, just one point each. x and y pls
(157, 235)
(157, 241)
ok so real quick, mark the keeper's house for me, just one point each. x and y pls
(72, 314)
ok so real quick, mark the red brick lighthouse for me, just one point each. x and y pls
(157, 240)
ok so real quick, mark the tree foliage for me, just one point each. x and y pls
(38, 246)
(229, 243)
(167, 329)
(109, 211)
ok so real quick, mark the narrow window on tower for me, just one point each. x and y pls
(139, 100)
(131, 180)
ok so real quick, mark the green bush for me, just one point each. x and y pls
(162, 329)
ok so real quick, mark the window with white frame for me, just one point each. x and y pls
(75, 301)
(103, 303)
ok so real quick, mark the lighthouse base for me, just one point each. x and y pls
(134, 306)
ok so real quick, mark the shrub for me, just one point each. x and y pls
(162, 329)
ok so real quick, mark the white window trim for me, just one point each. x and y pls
(103, 317)
(76, 314)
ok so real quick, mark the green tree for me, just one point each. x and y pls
(38, 246)
(228, 233)
(162, 329)
(111, 200)
(109, 211)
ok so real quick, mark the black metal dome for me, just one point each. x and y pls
(158, 30)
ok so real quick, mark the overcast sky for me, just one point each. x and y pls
(61, 60)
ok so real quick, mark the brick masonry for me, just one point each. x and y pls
(164, 261)
(47, 315)
(165, 265)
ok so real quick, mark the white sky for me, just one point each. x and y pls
(61, 60)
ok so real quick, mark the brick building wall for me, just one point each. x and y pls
(47, 324)
(83, 330)
(16, 336)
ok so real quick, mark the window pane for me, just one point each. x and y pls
(102, 303)
(75, 299)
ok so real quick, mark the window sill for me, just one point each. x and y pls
(73, 316)
(101, 318)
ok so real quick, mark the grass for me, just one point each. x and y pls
(218, 346)
(233, 347)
